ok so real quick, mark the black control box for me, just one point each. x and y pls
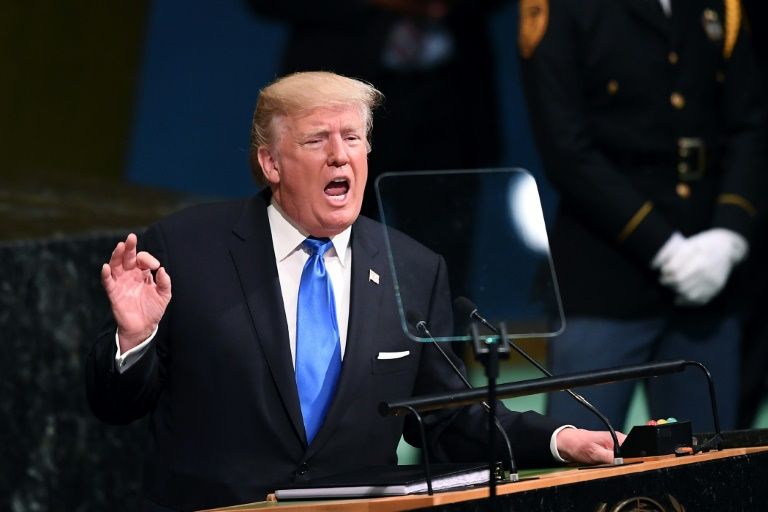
(646, 440)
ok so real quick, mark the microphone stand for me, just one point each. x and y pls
(617, 458)
(421, 325)
(548, 384)
(717, 438)
(488, 352)
(427, 470)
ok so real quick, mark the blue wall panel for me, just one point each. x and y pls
(204, 64)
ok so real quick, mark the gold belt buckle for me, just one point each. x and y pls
(691, 158)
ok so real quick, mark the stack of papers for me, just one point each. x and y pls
(387, 481)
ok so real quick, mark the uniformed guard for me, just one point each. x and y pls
(647, 120)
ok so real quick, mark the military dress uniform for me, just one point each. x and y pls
(647, 124)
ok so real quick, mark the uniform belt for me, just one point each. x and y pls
(691, 159)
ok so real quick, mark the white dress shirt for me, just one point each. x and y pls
(290, 256)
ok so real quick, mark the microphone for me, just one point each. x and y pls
(417, 321)
(420, 324)
(465, 308)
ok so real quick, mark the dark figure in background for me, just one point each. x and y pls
(646, 116)
(433, 61)
(754, 347)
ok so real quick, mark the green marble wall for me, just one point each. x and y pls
(53, 454)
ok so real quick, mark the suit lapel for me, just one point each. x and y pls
(365, 297)
(254, 257)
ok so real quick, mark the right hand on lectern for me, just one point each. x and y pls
(587, 446)
(138, 298)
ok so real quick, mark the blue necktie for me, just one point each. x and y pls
(318, 352)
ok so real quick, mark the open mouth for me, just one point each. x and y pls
(337, 189)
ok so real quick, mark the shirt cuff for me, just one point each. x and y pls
(553, 443)
(125, 361)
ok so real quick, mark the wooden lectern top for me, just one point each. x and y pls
(544, 479)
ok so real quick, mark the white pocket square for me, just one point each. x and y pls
(393, 355)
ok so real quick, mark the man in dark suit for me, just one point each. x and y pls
(228, 369)
(647, 120)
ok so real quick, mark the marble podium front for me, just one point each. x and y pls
(54, 237)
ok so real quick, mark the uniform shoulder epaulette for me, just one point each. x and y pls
(534, 16)
(732, 25)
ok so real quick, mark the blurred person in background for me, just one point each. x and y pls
(433, 61)
(647, 119)
(754, 347)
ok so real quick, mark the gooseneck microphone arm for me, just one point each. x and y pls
(416, 320)
(546, 384)
(715, 440)
(540, 385)
(421, 326)
(468, 308)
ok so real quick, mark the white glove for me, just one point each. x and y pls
(698, 267)
(667, 250)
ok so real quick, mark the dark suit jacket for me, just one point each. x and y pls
(611, 88)
(226, 425)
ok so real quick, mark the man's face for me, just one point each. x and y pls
(318, 167)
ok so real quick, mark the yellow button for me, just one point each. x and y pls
(677, 100)
(682, 168)
(683, 190)
(683, 152)
(612, 87)
(673, 57)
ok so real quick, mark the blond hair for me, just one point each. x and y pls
(299, 93)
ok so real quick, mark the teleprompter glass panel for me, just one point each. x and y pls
(489, 226)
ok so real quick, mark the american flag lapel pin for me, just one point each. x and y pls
(373, 276)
